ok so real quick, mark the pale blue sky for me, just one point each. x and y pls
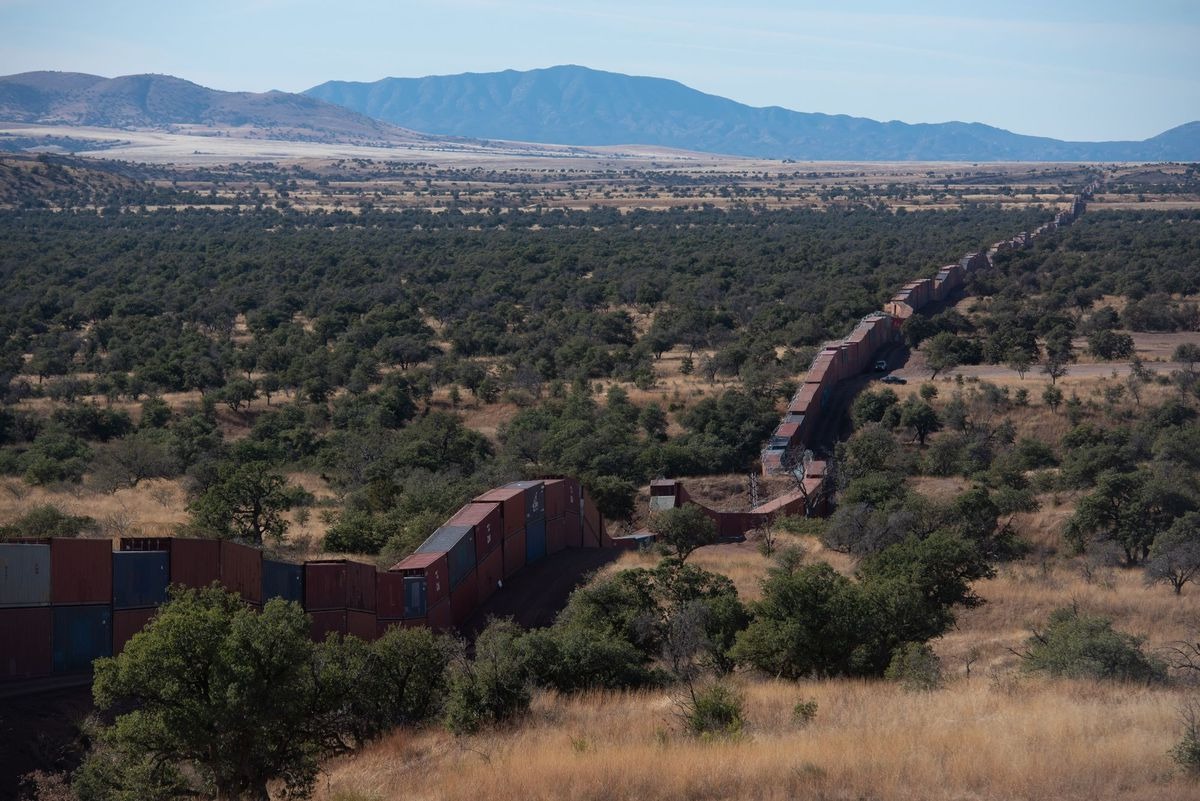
(1097, 69)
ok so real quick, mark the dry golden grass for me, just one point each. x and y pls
(975, 739)
(153, 508)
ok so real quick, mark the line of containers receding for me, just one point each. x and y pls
(66, 602)
(849, 357)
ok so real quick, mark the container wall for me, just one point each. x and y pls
(26, 636)
(126, 623)
(360, 587)
(282, 580)
(416, 597)
(441, 618)
(390, 595)
(242, 570)
(556, 535)
(535, 541)
(326, 622)
(24, 574)
(489, 575)
(458, 543)
(361, 624)
(195, 563)
(486, 520)
(574, 528)
(81, 634)
(535, 499)
(434, 568)
(464, 599)
(514, 553)
(81, 571)
(556, 497)
(140, 578)
(512, 503)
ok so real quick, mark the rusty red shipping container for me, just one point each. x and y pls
(241, 570)
(489, 574)
(26, 648)
(126, 623)
(339, 584)
(441, 617)
(80, 571)
(347, 622)
(195, 563)
(485, 520)
(574, 496)
(464, 600)
(434, 568)
(556, 534)
(574, 524)
(514, 553)
(389, 595)
(556, 497)
(512, 499)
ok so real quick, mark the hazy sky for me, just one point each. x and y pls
(1096, 69)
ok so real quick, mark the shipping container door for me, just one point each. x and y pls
(535, 541)
(414, 596)
(24, 574)
(140, 578)
(81, 635)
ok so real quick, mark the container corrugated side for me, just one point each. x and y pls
(489, 574)
(140, 578)
(282, 580)
(127, 623)
(80, 571)
(24, 574)
(242, 570)
(514, 553)
(195, 563)
(535, 541)
(26, 650)
(82, 634)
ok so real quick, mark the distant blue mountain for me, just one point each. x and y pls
(573, 105)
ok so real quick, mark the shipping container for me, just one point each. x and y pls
(433, 569)
(282, 580)
(556, 497)
(140, 578)
(82, 634)
(24, 574)
(195, 563)
(390, 596)
(441, 617)
(26, 636)
(126, 623)
(242, 570)
(489, 574)
(591, 524)
(574, 500)
(574, 530)
(512, 502)
(464, 600)
(514, 553)
(80, 571)
(486, 523)
(458, 543)
(346, 622)
(535, 541)
(339, 584)
(556, 535)
(535, 499)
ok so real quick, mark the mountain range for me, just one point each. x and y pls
(573, 105)
(163, 101)
(565, 105)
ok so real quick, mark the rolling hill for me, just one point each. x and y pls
(574, 105)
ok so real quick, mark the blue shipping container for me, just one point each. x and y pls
(415, 601)
(140, 578)
(535, 541)
(81, 634)
(458, 543)
(282, 580)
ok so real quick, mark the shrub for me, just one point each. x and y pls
(1186, 752)
(1086, 646)
(47, 521)
(494, 687)
(804, 712)
(716, 710)
(916, 667)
